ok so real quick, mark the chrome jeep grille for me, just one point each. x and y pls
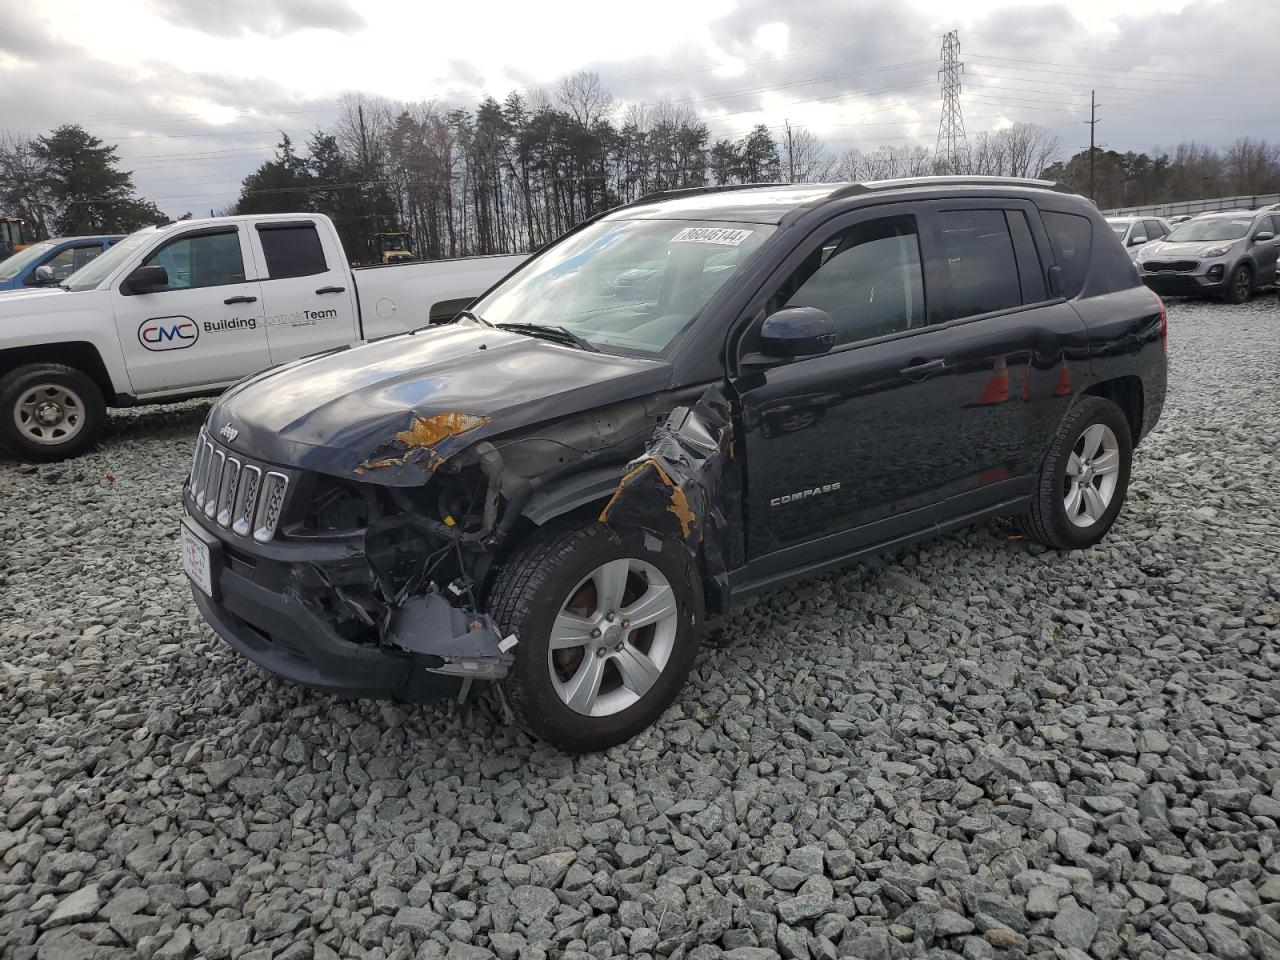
(244, 497)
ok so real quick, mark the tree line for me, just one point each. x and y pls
(68, 182)
(1189, 171)
(511, 175)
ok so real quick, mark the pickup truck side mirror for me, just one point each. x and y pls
(1263, 236)
(797, 332)
(43, 276)
(147, 279)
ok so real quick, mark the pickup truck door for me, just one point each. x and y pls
(307, 290)
(921, 410)
(205, 328)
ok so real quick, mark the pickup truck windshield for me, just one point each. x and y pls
(631, 284)
(12, 266)
(95, 271)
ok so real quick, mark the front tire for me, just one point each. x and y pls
(1084, 477)
(608, 623)
(49, 411)
(1240, 288)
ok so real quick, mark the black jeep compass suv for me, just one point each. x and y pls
(680, 403)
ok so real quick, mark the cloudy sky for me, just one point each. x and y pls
(196, 92)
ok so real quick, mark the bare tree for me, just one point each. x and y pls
(804, 157)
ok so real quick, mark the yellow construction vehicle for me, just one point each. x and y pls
(12, 236)
(393, 246)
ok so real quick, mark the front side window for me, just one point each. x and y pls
(62, 265)
(1139, 234)
(292, 251)
(627, 284)
(201, 260)
(868, 278)
(980, 259)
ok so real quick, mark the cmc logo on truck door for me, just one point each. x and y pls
(168, 333)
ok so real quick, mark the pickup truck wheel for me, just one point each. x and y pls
(1084, 478)
(608, 628)
(49, 411)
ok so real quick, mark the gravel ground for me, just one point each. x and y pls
(975, 748)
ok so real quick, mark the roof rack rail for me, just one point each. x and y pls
(962, 180)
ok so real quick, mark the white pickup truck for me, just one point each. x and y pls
(189, 308)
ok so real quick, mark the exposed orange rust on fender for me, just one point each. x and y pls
(423, 434)
(679, 501)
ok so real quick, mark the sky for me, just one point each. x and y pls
(196, 93)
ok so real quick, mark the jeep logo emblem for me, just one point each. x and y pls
(228, 432)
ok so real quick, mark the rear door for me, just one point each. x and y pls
(307, 294)
(206, 326)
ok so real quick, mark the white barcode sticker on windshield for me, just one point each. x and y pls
(722, 235)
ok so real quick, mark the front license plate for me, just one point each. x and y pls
(196, 562)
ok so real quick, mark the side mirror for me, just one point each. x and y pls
(1137, 241)
(1263, 236)
(43, 276)
(147, 279)
(797, 332)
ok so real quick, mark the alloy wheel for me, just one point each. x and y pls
(1093, 471)
(613, 637)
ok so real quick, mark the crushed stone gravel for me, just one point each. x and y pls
(974, 748)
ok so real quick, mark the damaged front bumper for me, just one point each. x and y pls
(281, 605)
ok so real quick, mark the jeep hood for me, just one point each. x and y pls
(392, 410)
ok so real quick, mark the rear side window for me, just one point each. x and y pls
(1154, 229)
(292, 251)
(981, 261)
(1071, 238)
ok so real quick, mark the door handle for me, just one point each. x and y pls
(230, 300)
(332, 290)
(919, 369)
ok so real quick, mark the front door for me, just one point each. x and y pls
(1267, 252)
(307, 291)
(205, 327)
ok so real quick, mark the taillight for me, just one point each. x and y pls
(1164, 324)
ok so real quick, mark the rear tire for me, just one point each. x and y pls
(555, 580)
(1240, 287)
(49, 411)
(1084, 478)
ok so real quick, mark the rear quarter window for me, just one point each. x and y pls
(1071, 238)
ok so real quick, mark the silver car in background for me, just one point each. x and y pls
(1137, 232)
(1230, 255)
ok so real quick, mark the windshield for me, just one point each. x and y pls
(1119, 226)
(97, 270)
(14, 265)
(394, 243)
(1198, 230)
(632, 284)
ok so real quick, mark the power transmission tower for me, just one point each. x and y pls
(952, 152)
(1093, 122)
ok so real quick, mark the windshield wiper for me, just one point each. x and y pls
(554, 334)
